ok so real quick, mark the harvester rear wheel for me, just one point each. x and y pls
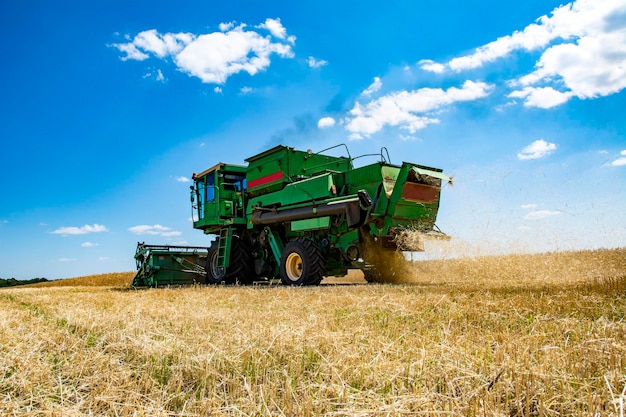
(302, 263)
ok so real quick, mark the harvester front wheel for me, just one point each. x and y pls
(302, 263)
(241, 269)
(215, 274)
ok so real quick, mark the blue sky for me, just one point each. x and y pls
(108, 107)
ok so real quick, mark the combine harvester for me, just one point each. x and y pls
(298, 216)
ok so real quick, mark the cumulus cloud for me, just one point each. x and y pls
(543, 97)
(409, 110)
(131, 52)
(213, 57)
(225, 27)
(88, 244)
(541, 214)
(72, 230)
(583, 53)
(538, 149)
(182, 179)
(432, 66)
(154, 230)
(374, 87)
(277, 29)
(325, 122)
(315, 63)
(620, 161)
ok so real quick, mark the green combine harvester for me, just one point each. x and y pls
(298, 216)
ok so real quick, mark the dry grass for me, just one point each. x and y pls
(508, 336)
(116, 279)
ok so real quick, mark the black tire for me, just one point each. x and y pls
(301, 263)
(213, 273)
(241, 268)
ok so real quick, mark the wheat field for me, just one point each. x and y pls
(521, 335)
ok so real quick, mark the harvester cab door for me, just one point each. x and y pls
(231, 187)
(209, 205)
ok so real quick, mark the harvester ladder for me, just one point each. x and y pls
(223, 248)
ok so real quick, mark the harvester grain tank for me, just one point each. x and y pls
(300, 216)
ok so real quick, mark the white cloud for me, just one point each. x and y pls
(583, 53)
(157, 75)
(131, 52)
(150, 41)
(72, 230)
(537, 149)
(217, 90)
(88, 244)
(409, 110)
(541, 214)
(544, 97)
(182, 179)
(216, 56)
(374, 87)
(67, 259)
(325, 122)
(245, 90)
(213, 57)
(504, 106)
(225, 27)
(619, 162)
(432, 66)
(276, 29)
(154, 230)
(530, 206)
(315, 63)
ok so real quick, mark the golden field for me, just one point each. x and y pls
(520, 335)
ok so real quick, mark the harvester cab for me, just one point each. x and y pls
(218, 198)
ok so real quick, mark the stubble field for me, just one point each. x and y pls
(523, 335)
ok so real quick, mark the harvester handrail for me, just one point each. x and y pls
(316, 167)
(336, 146)
(382, 156)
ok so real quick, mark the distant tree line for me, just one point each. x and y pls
(12, 282)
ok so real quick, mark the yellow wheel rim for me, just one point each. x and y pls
(293, 266)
